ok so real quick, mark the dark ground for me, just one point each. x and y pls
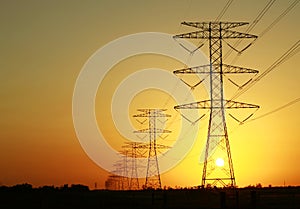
(78, 196)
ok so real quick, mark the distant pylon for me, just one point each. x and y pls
(120, 174)
(113, 182)
(218, 166)
(153, 175)
(123, 166)
(132, 149)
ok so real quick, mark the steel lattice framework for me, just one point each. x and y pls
(132, 151)
(218, 166)
(153, 175)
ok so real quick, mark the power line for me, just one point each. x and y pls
(267, 29)
(282, 15)
(227, 5)
(260, 15)
(276, 110)
(286, 56)
(250, 27)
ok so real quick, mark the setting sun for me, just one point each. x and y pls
(219, 162)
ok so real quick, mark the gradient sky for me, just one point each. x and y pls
(44, 45)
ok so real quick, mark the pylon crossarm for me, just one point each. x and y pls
(206, 104)
(195, 105)
(151, 110)
(200, 25)
(202, 34)
(131, 144)
(157, 130)
(230, 69)
(154, 114)
(205, 69)
(228, 25)
(229, 104)
(226, 34)
(205, 25)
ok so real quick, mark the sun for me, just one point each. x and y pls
(219, 162)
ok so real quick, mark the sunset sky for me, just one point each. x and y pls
(45, 44)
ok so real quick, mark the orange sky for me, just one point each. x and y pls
(44, 45)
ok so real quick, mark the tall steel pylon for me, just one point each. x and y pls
(218, 166)
(153, 175)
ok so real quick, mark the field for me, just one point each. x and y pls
(81, 197)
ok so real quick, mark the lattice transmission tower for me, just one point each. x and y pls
(218, 166)
(132, 151)
(121, 173)
(153, 179)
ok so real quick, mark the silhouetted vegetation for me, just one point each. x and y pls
(79, 196)
(29, 188)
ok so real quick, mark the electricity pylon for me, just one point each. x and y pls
(123, 166)
(121, 172)
(132, 152)
(113, 182)
(218, 166)
(153, 175)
